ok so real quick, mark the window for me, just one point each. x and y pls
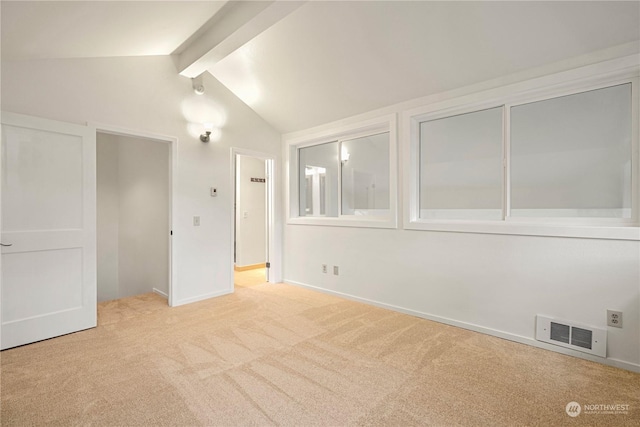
(526, 163)
(461, 166)
(345, 178)
(365, 175)
(571, 156)
(318, 173)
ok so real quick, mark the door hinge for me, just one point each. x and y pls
(172, 232)
(268, 265)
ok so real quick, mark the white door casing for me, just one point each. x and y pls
(48, 283)
(273, 243)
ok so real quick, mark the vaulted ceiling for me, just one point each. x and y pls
(301, 64)
(92, 29)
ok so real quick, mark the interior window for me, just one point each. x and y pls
(318, 175)
(365, 175)
(461, 166)
(571, 156)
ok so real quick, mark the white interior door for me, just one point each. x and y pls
(48, 218)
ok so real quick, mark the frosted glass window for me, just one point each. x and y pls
(365, 175)
(318, 180)
(571, 156)
(461, 166)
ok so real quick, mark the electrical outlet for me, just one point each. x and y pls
(614, 318)
(324, 268)
(196, 221)
(335, 270)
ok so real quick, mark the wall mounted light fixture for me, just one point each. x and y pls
(344, 155)
(197, 85)
(205, 137)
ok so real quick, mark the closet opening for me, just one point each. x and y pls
(134, 199)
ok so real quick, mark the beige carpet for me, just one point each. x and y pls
(281, 355)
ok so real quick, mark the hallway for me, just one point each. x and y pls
(248, 278)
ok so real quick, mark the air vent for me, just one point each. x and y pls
(572, 335)
(560, 332)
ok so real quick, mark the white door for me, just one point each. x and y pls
(48, 218)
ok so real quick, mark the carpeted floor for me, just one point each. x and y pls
(280, 355)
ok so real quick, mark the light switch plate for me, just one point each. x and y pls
(196, 221)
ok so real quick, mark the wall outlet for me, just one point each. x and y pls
(336, 270)
(614, 318)
(196, 221)
(324, 268)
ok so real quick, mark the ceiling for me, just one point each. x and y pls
(90, 29)
(330, 60)
(323, 61)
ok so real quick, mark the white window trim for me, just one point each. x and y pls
(523, 93)
(387, 123)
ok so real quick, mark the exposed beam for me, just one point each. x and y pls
(231, 27)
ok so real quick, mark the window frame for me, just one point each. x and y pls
(602, 228)
(384, 124)
(453, 113)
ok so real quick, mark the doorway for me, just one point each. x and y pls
(252, 203)
(134, 176)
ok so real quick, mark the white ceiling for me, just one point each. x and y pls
(86, 29)
(328, 60)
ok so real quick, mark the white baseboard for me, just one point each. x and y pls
(202, 297)
(476, 328)
(159, 292)
(249, 267)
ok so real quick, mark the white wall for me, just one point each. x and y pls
(143, 172)
(108, 210)
(486, 282)
(146, 94)
(251, 198)
(133, 216)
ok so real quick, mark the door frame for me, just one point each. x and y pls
(173, 166)
(273, 242)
